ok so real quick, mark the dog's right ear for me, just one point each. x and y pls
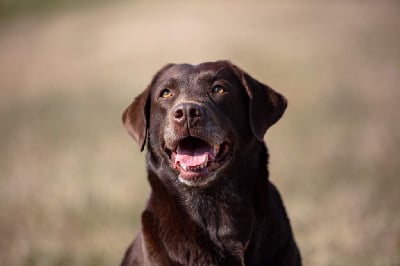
(136, 116)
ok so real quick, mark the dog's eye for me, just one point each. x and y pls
(165, 93)
(218, 89)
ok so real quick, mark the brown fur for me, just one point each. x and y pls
(235, 216)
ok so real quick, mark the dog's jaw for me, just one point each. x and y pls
(197, 182)
(196, 162)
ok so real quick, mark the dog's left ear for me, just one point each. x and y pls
(266, 106)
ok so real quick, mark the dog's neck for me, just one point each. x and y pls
(218, 219)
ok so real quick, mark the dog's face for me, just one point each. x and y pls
(198, 118)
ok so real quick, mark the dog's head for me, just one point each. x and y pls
(196, 119)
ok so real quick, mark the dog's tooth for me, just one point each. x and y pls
(195, 168)
(216, 150)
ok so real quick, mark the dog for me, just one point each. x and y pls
(211, 201)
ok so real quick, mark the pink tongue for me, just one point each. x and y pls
(189, 157)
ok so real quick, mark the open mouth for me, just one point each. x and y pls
(196, 159)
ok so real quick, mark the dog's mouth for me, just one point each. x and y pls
(196, 160)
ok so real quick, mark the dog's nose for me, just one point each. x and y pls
(187, 112)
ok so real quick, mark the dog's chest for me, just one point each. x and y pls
(216, 237)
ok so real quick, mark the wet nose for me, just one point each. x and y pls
(188, 112)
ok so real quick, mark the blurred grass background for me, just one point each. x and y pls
(72, 182)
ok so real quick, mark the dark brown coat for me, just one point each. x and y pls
(211, 201)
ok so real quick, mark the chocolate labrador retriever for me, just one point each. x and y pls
(211, 202)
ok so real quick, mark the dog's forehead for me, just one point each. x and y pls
(186, 74)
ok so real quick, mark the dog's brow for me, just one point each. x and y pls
(210, 75)
(172, 82)
(207, 76)
(219, 70)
